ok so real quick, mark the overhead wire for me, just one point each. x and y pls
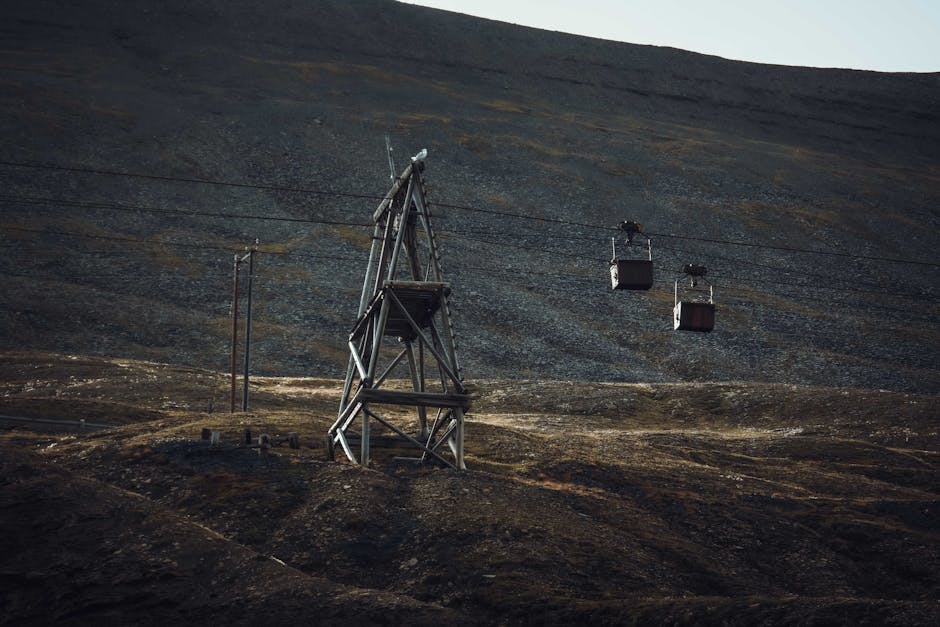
(43, 201)
(173, 244)
(133, 208)
(268, 187)
(830, 253)
(528, 272)
(508, 214)
(878, 291)
(451, 205)
(678, 271)
(317, 256)
(262, 280)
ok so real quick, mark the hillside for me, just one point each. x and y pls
(779, 470)
(289, 103)
(735, 503)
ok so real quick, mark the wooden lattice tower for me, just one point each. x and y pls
(404, 320)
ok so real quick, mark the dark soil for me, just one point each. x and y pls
(584, 502)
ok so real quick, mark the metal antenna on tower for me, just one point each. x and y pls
(391, 163)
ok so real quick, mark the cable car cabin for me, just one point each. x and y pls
(632, 274)
(692, 316)
(696, 310)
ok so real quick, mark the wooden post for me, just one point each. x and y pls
(234, 333)
(251, 272)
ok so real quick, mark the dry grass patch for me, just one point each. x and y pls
(314, 71)
(410, 118)
(474, 143)
(118, 113)
(535, 146)
(505, 106)
(329, 352)
(169, 258)
(357, 236)
(778, 303)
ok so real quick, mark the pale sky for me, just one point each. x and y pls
(882, 35)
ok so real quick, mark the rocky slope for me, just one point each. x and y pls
(292, 102)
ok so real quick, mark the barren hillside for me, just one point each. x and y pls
(780, 469)
(142, 145)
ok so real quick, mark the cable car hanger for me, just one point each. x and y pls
(695, 272)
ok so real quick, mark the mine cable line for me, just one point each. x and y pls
(268, 187)
(794, 249)
(173, 244)
(463, 207)
(34, 200)
(919, 296)
(453, 234)
(709, 240)
(746, 293)
(678, 273)
(574, 279)
(686, 253)
(568, 278)
(878, 288)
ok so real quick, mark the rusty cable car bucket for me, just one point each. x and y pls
(695, 311)
(631, 273)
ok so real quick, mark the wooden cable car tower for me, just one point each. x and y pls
(404, 318)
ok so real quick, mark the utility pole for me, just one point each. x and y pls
(249, 257)
(234, 332)
(251, 274)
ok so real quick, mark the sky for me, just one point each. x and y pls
(880, 35)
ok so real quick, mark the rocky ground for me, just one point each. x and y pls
(707, 503)
(781, 469)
